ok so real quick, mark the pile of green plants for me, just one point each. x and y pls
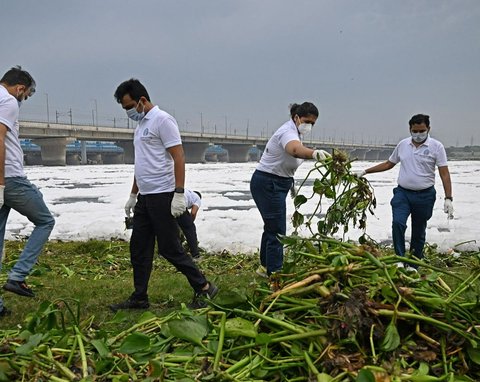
(345, 312)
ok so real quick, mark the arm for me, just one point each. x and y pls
(194, 211)
(297, 150)
(384, 166)
(446, 181)
(178, 156)
(3, 135)
(134, 187)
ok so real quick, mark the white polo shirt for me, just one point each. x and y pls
(191, 199)
(417, 164)
(13, 150)
(275, 160)
(155, 133)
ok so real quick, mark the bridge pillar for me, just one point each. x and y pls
(83, 146)
(358, 153)
(112, 158)
(74, 159)
(128, 151)
(54, 150)
(195, 151)
(237, 153)
(372, 155)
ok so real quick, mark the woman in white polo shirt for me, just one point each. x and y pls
(415, 194)
(273, 178)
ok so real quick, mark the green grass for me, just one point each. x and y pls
(98, 273)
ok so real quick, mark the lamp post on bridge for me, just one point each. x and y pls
(48, 112)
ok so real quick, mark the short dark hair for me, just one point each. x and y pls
(303, 110)
(418, 119)
(133, 88)
(199, 194)
(17, 76)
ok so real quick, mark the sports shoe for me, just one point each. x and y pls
(19, 287)
(5, 312)
(130, 304)
(200, 298)
(261, 271)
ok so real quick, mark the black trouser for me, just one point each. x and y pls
(188, 228)
(152, 220)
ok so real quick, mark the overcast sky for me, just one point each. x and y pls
(368, 65)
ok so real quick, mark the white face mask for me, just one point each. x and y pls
(134, 114)
(419, 137)
(304, 128)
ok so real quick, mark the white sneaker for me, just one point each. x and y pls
(261, 271)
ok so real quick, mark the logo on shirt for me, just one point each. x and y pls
(145, 132)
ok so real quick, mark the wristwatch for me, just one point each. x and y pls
(180, 190)
(449, 198)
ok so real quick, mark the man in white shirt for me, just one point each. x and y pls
(415, 194)
(156, 198)
(186, 221)
(16, 191)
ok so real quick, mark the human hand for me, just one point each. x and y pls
(293, 191)
(130, 205)
(448, 208)
(178, 206)
(320, 155)
(359, 174)
(2, 190)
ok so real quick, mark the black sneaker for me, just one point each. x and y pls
(19, 287)
(199, 298)
(5, 312)
(130, 304)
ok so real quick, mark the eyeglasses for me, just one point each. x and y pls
(31, 92)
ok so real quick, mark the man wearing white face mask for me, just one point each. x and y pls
(273, 178)
(156, 198)
(415, 195)
(16, 191)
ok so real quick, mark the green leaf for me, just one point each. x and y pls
(474, 354)
(299, 200)
(101, 348)
(134, 343)
(32, 342)
(391, 341)
(156, 368)
(323, 377)
(365, 375)
(231, 297)
(263, 338)
(297, 219)
(236, 327)
(192, 329)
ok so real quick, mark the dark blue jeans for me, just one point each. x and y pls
(418, 205)
(269, 193)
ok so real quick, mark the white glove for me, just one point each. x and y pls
(359, 174)
(293, 191)
(130, 205)
(178, 206)
(320, 155)
(448, 208)
(2, 189)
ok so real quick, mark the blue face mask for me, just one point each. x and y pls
(135, 115)
(419, 137)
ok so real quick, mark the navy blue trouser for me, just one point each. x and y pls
(152, 220)
(418, 205)
(269, 193)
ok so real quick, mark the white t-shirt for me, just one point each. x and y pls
(417, 164)
(9, 117)
(191, 199)
(275, 160)
(155, 133)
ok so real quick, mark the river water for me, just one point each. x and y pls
(87, 202)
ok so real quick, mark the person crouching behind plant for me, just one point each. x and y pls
(273, 178)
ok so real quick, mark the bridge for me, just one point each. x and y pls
(53, 139)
